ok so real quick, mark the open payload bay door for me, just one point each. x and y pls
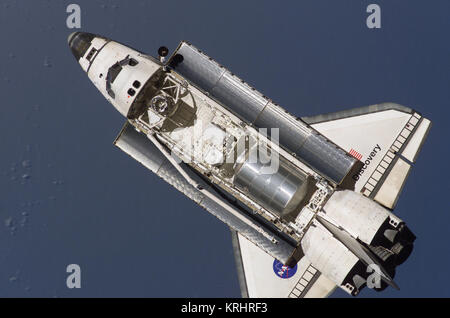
(386, 138)
(253, 108)
(140, 148)
(262, 276)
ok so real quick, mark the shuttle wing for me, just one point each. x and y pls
(260, 275)
(386, 138)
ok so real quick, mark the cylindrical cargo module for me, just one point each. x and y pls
(272, 182)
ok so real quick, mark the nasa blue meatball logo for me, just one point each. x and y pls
(283, 271)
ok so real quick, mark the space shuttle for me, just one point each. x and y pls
(308, 200)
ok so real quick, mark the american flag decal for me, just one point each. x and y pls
(355, 154)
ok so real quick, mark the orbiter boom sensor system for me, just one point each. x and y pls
(308, 200)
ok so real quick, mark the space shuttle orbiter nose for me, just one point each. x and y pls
(79, 42)
(118, 71)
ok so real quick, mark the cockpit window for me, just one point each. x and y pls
(115, 70)
(131, 92)
(91, 54)
(136, 84)
(133, 62)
